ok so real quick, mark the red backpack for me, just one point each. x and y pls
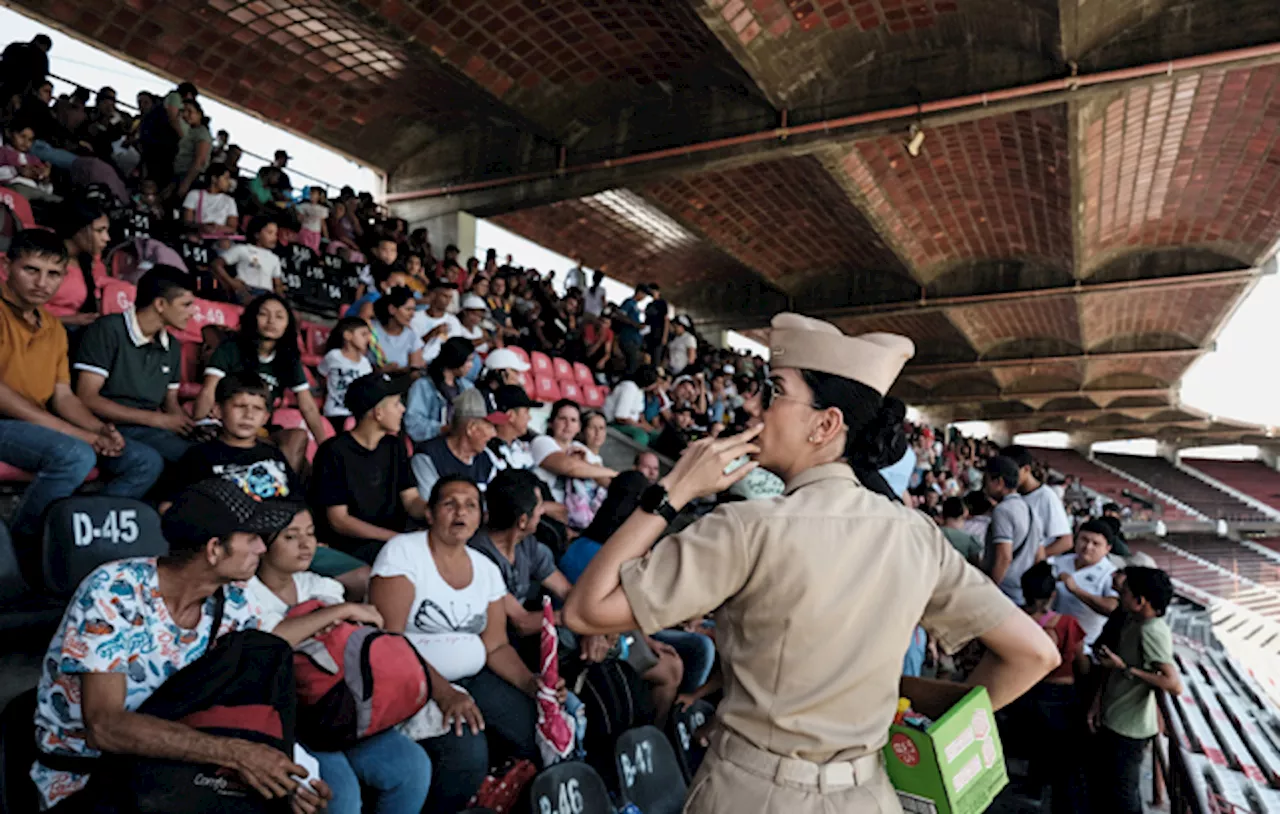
(354, 681)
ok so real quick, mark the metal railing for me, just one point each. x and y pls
(134, 111)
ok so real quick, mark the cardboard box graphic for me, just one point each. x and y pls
(957, 766)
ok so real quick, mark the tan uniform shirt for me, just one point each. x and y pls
(821, 589)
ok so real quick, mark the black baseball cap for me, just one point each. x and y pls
(436, 285)
(510, 397)
(365, 392)
(218, 507)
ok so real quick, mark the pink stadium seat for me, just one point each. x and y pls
(118, 296)
(527, 380)
(571, 391)
(593, 395)
(546, 389)
(541, 364)
(289, 419)
(207, 312)
(582, 375)
(313, 337)
(21, 207)
(563, 370)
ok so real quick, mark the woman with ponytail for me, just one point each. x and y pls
(818, 591)
(86, 231)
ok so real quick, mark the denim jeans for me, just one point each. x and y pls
(388, 764)
(460, 763)
(1117, 773)
(61, 463)
(696, 650)
(169, 446)
(46, 152)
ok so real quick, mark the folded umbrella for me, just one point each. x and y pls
(555, 732)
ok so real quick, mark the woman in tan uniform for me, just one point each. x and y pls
(818, 590)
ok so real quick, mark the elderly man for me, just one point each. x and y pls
(464, 451)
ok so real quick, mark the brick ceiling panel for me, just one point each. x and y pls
(1154, 319)
(937, 340)
(782, 218)
(624, 235)
(835, 54)
(1029, 377)
(1192, 161)
(992, 325)
(1163, 369)
(993, 189)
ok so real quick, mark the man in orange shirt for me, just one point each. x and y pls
(44, 428)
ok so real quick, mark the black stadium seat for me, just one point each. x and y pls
(20, 608)
(682, 725)
(84, 531)
(570, 788)
(17, 753)
(648, 773)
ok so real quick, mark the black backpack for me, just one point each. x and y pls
(242, 687)
(616, 699)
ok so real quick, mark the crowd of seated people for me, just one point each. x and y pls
(390, 459)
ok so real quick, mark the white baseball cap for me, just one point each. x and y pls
(472, 302)
(505, 359)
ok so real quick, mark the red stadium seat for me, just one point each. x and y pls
(118, 296)
(563, 370)
(547, 389)
(527, 381)
(572, 391)
(582, 375)
(21, 207)
(12, 474)
(594, 395)
(208, 312)
(313, 337)
(541, 364)
(289, 419)
(192, 375)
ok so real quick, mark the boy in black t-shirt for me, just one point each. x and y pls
(362, 490)
(241, 455)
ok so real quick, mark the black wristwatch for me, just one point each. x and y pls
(654, 501)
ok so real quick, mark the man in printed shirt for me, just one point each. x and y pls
(133, 623)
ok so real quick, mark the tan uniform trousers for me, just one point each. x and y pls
(736, 777)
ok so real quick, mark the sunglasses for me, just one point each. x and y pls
(769, 394)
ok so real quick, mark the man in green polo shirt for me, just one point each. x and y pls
(129, 365)
(1123, 713)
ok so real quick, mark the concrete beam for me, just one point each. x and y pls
(1004, 395)
(1082, 357)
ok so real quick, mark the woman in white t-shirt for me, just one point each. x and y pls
(577, 476)
(447, 598)
(390, 764)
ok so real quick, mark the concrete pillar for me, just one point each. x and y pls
(1081, 442)
(1000, 433)
(457, 228)
(1168, 450)
(1269, 456)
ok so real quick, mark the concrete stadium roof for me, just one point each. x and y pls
(1097, 189)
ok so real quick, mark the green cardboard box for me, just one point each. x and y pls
(957, 766)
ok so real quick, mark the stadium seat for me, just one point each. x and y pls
(527, 381)
(208, 312)
(20, 607)
(594, 395)
(546, 388)
(313, 337)
(563, 370)
(17, 753)
(571, 391)
(582, 375)
(12, 474)
(571, 787)
(290, 418)
(682, 725)
(118, 296)
(541, 364)
(648, 773)
(20, 207)
(84, 531)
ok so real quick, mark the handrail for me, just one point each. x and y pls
(250, 153)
